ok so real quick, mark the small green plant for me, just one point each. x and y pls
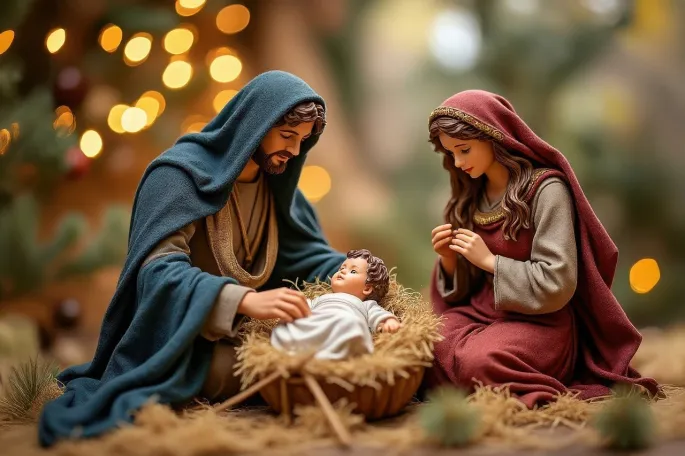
(626, 422)
(26, 389)
(448, 418)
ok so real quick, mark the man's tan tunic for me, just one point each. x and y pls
(215, 245)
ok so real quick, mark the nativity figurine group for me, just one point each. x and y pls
(522, 277)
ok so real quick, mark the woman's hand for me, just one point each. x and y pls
(441, 237)
(473, 248)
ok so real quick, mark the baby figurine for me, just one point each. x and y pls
(341, 322)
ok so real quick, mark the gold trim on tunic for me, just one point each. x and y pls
(486, 218)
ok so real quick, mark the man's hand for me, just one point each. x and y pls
(390, 325)
(282, 303)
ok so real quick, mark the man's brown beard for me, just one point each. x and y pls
(264, 160)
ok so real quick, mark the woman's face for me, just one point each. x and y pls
(472, 156)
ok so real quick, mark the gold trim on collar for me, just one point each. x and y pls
(486, 218)
(457, 114)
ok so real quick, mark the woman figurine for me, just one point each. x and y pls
(525, 267)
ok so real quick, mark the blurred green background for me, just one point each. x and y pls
(92, 90)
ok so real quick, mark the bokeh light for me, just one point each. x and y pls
(178, 40)
(222, 98)
(182, 8)
(191, 4)
(65, 121)
(217, 52)
(55, 40)
(91, 143)
(233, 19)
(138, 49)
(6, 39)
(315, 183)
(110, 38)
(133, 119)
(456, 39)
(644, 275)
(177, 74)
(114, 118)
(193, 123)
(5, 139)
(225, 68)
(153, 104)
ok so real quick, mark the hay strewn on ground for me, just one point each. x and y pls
(201, 431)
(394, 354)
(505, 423)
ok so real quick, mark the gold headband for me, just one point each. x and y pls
(457, 114)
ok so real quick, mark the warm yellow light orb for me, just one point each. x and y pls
(177, 74)
(222, 98)
(216, 52)
(133, 119)
(178, 40)
(644, 275)
(185, 11)
(315, 182)
(196, 127)
(225, 68)
(110, 38)
(193, 123)
(6, 39)
(151, 104)
(158, 97)
(65, 122)
(55, 40)
(91, 143)
(190, 4)
(233, 19)
(138, 49)
(114, 118)
(5, 140)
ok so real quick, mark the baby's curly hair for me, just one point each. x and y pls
(376, 273)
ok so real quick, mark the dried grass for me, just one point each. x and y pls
(505, 423)
(394, 355)
(200, 431)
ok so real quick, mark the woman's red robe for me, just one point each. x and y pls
(586, 346)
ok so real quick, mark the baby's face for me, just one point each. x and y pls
(351, 278)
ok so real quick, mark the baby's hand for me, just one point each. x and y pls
(390, 325)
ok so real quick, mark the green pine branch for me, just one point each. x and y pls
(106, 249)
(27, 264)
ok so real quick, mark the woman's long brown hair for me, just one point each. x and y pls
(467, 191)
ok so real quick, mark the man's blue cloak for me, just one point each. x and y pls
(149, 346)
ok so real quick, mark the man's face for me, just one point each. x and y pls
(351, 278)
(281, 144)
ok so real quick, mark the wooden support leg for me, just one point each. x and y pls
(240, 397)
(338, 427)
(285, 401)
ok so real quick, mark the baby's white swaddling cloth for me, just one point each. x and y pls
(339, 327)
